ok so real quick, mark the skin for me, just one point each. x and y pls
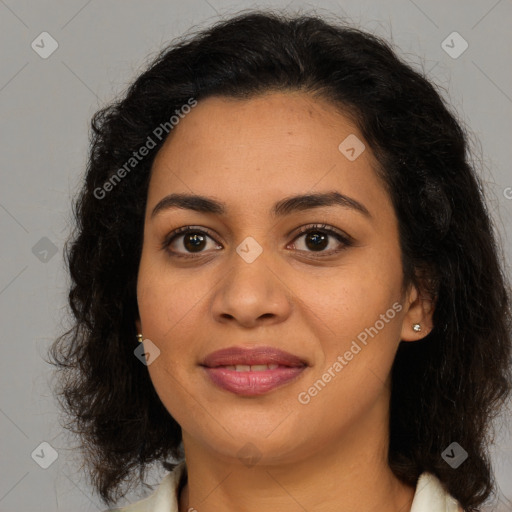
(329, 454)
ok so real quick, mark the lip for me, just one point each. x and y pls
(252, 356)
(252, 383)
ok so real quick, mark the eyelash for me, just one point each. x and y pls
(344, 239)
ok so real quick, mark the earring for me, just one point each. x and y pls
(416, 327)
(139, 338)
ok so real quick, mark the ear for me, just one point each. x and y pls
(138, 326)
(419, 309)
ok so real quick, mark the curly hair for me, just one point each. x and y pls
(447, 387)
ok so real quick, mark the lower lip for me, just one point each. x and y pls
(252, 383)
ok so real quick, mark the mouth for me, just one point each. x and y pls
(253, 359)
(252, 372)
(251, 368)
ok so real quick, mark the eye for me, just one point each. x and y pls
(317, 239)
(194, 240)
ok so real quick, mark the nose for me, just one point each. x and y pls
(252, 293)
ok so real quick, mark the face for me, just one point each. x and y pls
(248, 277)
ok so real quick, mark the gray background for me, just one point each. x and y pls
(45, 108)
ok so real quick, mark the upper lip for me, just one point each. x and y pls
(233, 356)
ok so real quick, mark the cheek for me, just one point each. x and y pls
(358, 304)
(169, 307)
(358, 325)
(169, 301)
(355, 295)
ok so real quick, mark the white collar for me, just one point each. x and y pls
(430, 496)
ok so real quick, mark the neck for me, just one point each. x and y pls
(349, 475)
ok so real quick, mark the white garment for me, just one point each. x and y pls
(429, 496)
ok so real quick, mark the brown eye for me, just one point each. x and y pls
(316, 241)
(193, 240)
(317, 238)
(190, 242)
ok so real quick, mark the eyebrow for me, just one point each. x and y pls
(282, 208)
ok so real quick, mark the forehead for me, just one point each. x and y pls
(269, 146)
(279, 117)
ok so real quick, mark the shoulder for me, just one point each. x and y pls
(431, 496)
(163, 499)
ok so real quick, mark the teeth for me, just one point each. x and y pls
(253, 368)
(259, 367)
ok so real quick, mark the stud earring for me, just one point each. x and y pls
(416, 327)
(139, 338)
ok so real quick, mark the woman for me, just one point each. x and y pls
(283, 214)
